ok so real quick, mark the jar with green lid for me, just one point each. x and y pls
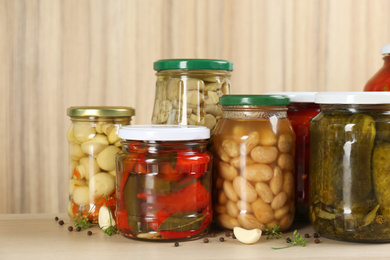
(188, 91)
(349, 191)
(93, 144)
(254, 147)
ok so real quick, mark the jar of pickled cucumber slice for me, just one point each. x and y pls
(349, 191)
(93, 144)
(188, 91)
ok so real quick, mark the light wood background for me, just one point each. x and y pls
(55, 54)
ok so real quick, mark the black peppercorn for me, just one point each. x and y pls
(316, 235)
(78, 229)
(70, 228)
(307, 235)
(317, 241)
(176, 244)
(212, 235)
(56, 218)
(89, 233)
(221, 239)
(205, 240)
(234, 236)
(227, 234)
(61, 222)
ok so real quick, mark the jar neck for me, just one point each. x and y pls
(118, 120)
(348, 108)
(386, 59)
(194, 73)
(253, 112)
(161, 146)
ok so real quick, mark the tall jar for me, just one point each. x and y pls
(254, 147)
(188, 91)
(300, 111)
(93, 144)
(350, 166)
(380, 81)
(164, 182)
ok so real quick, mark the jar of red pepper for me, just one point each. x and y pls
(381, 79)
(163, 182)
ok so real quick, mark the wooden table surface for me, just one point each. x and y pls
(31, 236)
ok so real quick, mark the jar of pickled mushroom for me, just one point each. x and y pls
(164, 179)
(254, 147)
(188, 91)
(350, 166)
(93, 144)
(380, 81)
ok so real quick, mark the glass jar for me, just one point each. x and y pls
(164, 179)
(350, 166)
(300, 111)
(188, 91)
(381, 79)
(93, 144)
(254, 148)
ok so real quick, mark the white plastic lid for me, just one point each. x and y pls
(295, 97)
(385, 49)
(163, 132)
(368, 97)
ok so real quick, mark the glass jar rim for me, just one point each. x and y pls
(164, 132)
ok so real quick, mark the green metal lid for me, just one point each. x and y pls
(194, 64)
(93, 111)
(254, 100)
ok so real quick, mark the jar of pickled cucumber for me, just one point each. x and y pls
(350, 166)
(93, 144)
(254, 147)
(188, 91)
(164, 182)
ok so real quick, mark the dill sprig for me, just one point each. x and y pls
(293, 240)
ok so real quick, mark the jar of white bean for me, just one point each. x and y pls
(254, 148)
(93, 144)
(188, 91)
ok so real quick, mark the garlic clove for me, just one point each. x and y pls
(105, 218)
(247, 236)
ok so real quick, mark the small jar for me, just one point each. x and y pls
(188, 91)
(254, 148)
(164, 179)
(350, 166)
(93, 144)
(380, 81)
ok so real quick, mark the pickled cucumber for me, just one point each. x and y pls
(381, 175)
(359, 142)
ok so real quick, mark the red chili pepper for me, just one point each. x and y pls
(161, 216)
(168, 173)
(193, 197)
(193, 164)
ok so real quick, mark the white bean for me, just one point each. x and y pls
(244, 189)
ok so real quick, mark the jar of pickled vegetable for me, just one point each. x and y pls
(350, 166)
(93, 144)
(188, 91)
(164, 179)
(254, 147)
(381, 79)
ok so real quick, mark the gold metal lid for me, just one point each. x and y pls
(92, 111)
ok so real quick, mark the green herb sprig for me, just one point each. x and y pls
(83, 222)
(293, 240)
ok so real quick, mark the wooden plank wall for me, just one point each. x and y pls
(59, 53)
